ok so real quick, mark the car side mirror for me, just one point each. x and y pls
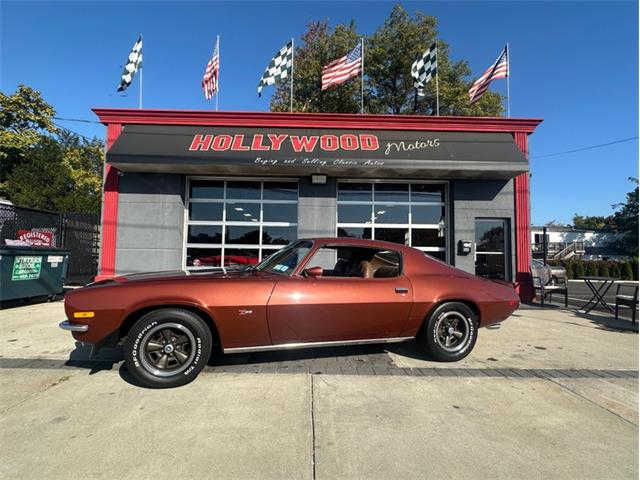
(313, 272)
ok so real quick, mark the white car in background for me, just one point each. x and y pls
(549, 274)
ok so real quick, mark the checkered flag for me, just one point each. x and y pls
(134, 62)
(424, 68)
(279, 67)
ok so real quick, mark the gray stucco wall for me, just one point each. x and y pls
(151, 217)
(150, 222)
(471, 199)
(317, 208)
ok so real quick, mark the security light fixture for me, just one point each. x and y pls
(318, 179)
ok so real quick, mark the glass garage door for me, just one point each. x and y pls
(238, 222)
(408, 213)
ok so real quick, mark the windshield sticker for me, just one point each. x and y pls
(281, 268)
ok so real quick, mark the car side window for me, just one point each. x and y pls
(356, 262)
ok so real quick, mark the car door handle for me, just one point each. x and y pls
(402, 290)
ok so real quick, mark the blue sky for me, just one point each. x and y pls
(575, 64)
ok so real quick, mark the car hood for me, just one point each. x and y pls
(181, 275)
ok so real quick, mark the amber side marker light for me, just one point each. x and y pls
(84, 314)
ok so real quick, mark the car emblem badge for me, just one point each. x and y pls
(245, 312)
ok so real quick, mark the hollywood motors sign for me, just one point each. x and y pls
(275, 142)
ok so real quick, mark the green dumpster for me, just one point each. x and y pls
(27, 272)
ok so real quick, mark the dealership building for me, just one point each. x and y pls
(200, 189)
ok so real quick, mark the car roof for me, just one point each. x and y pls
(360, 242)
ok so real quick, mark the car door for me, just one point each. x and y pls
(327, 309)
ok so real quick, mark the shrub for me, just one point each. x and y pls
(579, 270)
(627, 271)
(603, 269)
(592, 269)
(614, 270)
(634, 268)
(570, 267)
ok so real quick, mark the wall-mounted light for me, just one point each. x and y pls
(318, 179)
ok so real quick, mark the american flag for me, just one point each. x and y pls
(500, 69)
(210, 77)
(343, 69)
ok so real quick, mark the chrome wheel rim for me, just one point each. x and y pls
(452, 331)
(167, 349)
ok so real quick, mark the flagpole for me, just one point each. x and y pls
(140, 92)
(218, 79)
(292, 62)
(437, 87)
(362, 76)
(508, 76)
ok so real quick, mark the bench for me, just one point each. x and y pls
(560, 287)
(624, 299)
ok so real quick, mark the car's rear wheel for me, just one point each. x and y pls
(167, 348)
(450, 332)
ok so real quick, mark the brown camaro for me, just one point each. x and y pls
(312, 293)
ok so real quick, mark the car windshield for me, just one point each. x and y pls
(285, 261)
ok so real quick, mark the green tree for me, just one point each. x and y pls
(389, 88)
(593, 222)
(62, 174)
(24, 118)
(320, 45)
(626, 218)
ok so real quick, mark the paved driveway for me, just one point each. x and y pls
(546, 394)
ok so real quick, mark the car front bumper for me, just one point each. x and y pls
(73, 327)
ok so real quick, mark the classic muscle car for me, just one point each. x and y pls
(312, 293)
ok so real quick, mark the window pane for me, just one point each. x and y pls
(205, 211)
(243, 212)
(243, 190)
(278, 212)
(426, 237)
(206, 189)
(204, 257)
(396, 235)
(354, 213)
(360, 192)
(249, 235)
(205, 234)
(439, 255)
(240, 256)
(390, 213)
(489, 236)
(391, 192)
(426, 214)
(278, 235)
(354, 232)
(490, 266)
(280, 191)
(421, 192)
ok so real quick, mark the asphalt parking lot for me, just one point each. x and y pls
(547, 394)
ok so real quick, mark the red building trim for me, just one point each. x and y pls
(524, 281)
(316, 120)
(109, 211)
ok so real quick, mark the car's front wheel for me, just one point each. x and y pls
(450, 332)
(167, 348)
